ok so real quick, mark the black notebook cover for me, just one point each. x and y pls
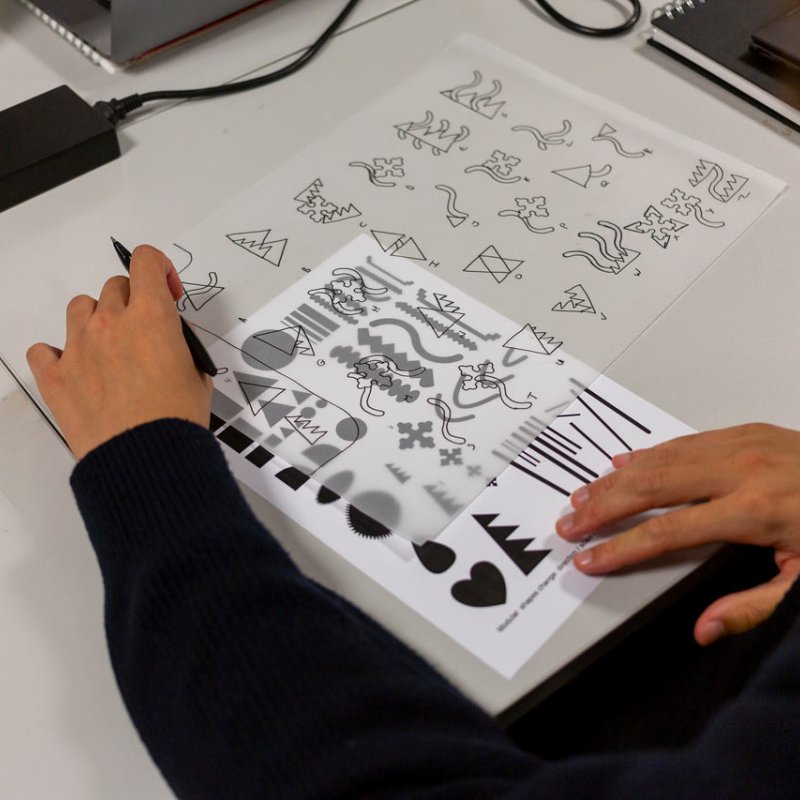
(721, 31)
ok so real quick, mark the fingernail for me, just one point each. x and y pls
(583, 559)
(580, 496)
(712, 631)
(565, 524)
(622, 459)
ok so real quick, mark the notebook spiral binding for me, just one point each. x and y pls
(669, 10)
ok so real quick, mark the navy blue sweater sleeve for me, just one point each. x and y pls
(245, 679)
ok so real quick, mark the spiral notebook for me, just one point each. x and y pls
(713, 37)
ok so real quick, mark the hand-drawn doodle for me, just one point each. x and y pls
(492, 263)
(398, 244)
(377, 371)
(577, 301)
(198, 294)
(445, 413)
(318, 208)
(606, 134)
(416, 342)
(442, 316)
(259, 392)
(583, 174)
(662, 230)
(411, 436)
(435, 556)
(398, 473)
(481, 377)
(347, 289)
(368, 338)
(468, 96)
(307, 429)
(425, 133)
(532, 341)
(450, 333)
(188, 253)
(450, 456)
(454, 216)
(515, 549)
(528, 208)
(317, 326)
(551, 139)
(258, 243)
(292, 340)
(721, 187)
(382, 168)
(614, 257)
(485, 587)
(498, 167)
(449, 309)
(684, 204)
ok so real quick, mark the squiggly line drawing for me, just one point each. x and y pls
(545, 140)
(528, 208)
(347, 286)
(463, 341)
(481, 377)
(454, 216)
(605, 134)
(446, 416)
(377, 370)
(422, 296)
(188, 253)
(380, 169)
(415, 341)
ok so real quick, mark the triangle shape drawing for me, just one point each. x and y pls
(301, 397)
(284, 339)
(409, 249)
(258, 396)
(606, 130)
(440, 321)
(578, 175)
(287, 432)
(576, 300)
(256, 242)
(198, 294)
(533, 341)
(387, 241)
(275, 412)
(455, 221)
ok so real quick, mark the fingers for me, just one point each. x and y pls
(79, 310)
(153, 275)
(664, 533)
(115, 293)
(741, 611)
(40, 356)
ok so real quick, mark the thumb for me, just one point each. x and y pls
(741, 611)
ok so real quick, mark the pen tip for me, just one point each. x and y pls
(113, 240)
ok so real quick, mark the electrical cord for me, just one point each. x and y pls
(586, 30)
(115, 110)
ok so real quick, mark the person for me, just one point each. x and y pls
(246, 679)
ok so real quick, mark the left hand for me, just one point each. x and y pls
(740, 484)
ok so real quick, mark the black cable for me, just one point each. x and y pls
(586, 30)
(116, 110)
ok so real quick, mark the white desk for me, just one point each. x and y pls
(713, 358)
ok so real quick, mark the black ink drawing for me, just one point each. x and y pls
(606, 134)
(398, 244)
(684, 204)
(441, 317)
(427, 133)
(291, 340)
(377, 371)
(492, 263)
(318, 208)
(550, 139)
(583, 174)
(532, 341)
(375, 343)
(498, 167)
(662, 230)
(457, 337)
(481, 377)
(347, 291)
(481, 102)
(721, 187)
(445, 413)
(435, 556)
(448, 457)
(259, 244)
(401, 475)
(410, 436)
(317, 326)
(577, 301)
(516, 549)
(448, 307)
(197, 295)
(454, 216)
(382, 169)
(613, 256)
(527, 209)
(485, 587)
(188, 253)
(307, 429)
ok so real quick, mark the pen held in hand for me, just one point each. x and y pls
(202, 360)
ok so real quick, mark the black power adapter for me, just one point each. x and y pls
(48, 140)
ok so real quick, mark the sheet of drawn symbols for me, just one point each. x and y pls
(391, 387)
(498, 580)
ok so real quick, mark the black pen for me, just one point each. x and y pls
(202, 360)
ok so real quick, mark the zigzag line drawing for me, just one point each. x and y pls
(322, 300)
(721, 187)
(375, 344)
(463, 341)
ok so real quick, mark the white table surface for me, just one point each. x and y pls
(723, 353)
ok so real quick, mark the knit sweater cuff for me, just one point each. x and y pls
(157, 484)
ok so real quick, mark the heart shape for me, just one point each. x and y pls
(485, 587)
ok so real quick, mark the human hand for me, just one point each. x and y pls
(125, 361)
(739, 484)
